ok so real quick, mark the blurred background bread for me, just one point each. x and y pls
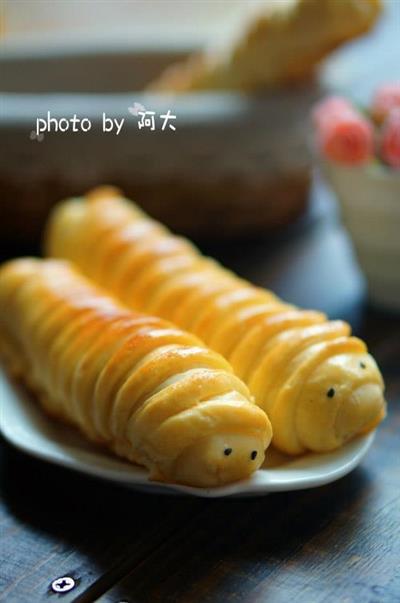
(236, 165)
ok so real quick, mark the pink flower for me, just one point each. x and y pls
(390, 140)
(386, 99)
(343, 134)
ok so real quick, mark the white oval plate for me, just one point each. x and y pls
(26, 426)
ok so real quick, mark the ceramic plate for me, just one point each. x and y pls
(25, 426)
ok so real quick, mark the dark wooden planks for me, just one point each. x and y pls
(55, 523)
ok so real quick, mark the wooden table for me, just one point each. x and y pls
(338, 543)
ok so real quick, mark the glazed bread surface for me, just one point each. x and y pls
(317, 383)
(136, 384)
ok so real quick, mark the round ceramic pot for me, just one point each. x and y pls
(369, 198)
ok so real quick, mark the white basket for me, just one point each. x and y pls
(370, 203)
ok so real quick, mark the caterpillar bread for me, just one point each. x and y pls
(147, 390)
(279, 42)
(318, 385)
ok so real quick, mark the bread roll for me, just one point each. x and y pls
(149, 391)
(279, 42)
(317, 383)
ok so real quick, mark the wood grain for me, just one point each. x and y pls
(56, 523)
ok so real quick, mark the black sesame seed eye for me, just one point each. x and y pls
(227, 451)
(330, 393)
(253, 454)
(363, 365)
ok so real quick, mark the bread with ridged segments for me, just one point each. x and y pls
(136, 384)
(317, 383)
(280, 42)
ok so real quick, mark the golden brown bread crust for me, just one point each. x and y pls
(280, 45)
(318, 384)
(149, 391)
